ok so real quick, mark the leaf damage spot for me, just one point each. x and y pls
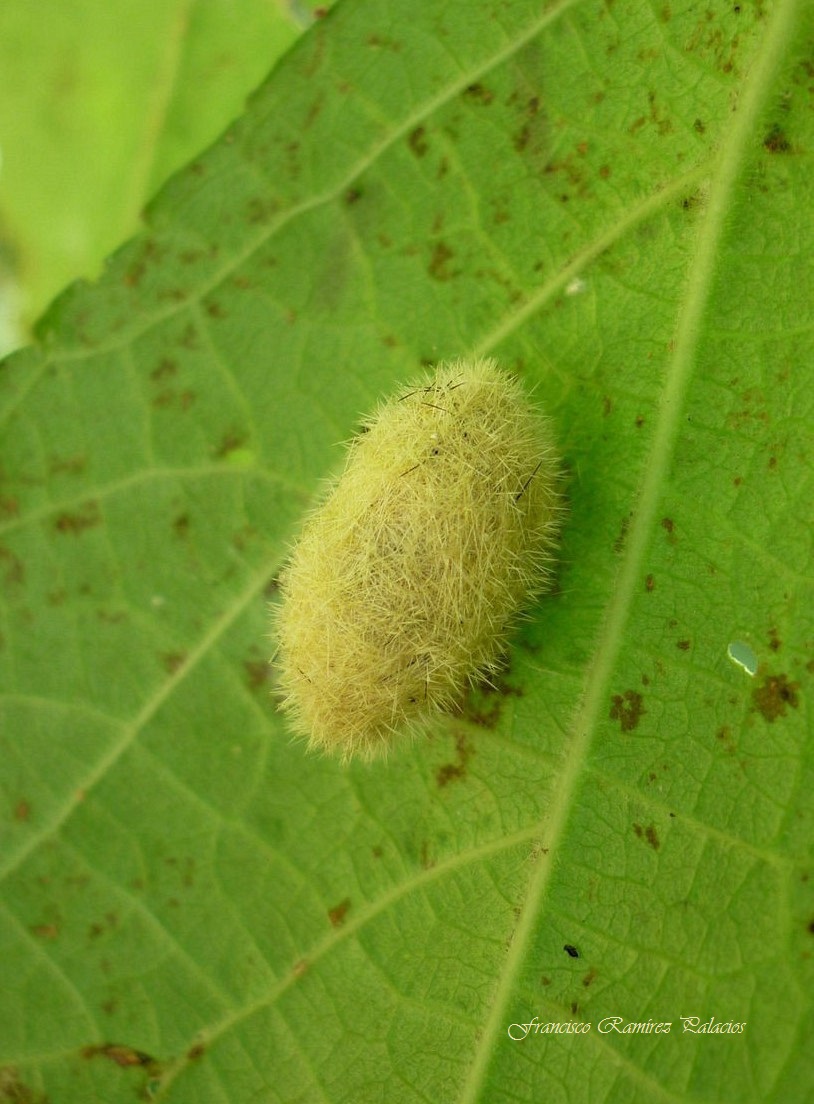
(668, 525)
(86, 517)
(627, 709)
(439, 262)
(14, 1091)
(774, 695)
(478, 93)
(13, 568)
(453, 772)
(22, 810)
(648, 834)
(776, 140)
(122, 1055)
(337, 914)
(417, 141)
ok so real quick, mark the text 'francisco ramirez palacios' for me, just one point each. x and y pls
(690, 1025)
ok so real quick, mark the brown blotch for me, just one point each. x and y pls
(649, 584)
(776, 140)
(13, 568)
(46, 931)
(627, 709)
(173, 661)
(451, 772)
(258, 673)
(724, 735)
(775, 693)
(338, 913)
(196, 1051)
(668, 525)
(648, 834)
(84, 518)
(14, 1091)
(165, 369)
(181, 526)
(230, 443)
(22, 810)
(417, 141)
(261, 210)
(479, 94)
(439, 262)
(619, 543)
(168, 397)
(122, 1055)
(775, 642)
(590, 977)
(684, 645)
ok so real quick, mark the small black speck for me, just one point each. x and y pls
(571, 950)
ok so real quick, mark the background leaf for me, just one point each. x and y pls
(102, 100)
(613, 200)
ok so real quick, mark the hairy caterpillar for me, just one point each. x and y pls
(404, 583)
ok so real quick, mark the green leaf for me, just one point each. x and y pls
(614, 201)
(102, 100)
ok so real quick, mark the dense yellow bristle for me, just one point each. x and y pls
(405, 582)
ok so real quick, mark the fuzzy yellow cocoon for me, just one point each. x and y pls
(405, 582)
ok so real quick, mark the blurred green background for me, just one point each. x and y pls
(103, 100)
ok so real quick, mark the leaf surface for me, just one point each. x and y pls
(614, 201)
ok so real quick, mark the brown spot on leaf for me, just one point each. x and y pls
(649, 584)
(181, 526)
(230, 443)
(258, 673)
(774, 694)
(338, 913)
(776, 140)
(122, 1055)
(648, 834)
(724, 734)
(173, 661)
(417, 141)
(439, 262)
(590, 977)
(627, 709)
(22, 810)
(15, 1091)
(45, 931)
(196, 1051)
(452, 772)
(76, 522)
(478, 93)
(165, 369)
(683, 645)
(12, 566)
(619, 543)
(774, 640)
